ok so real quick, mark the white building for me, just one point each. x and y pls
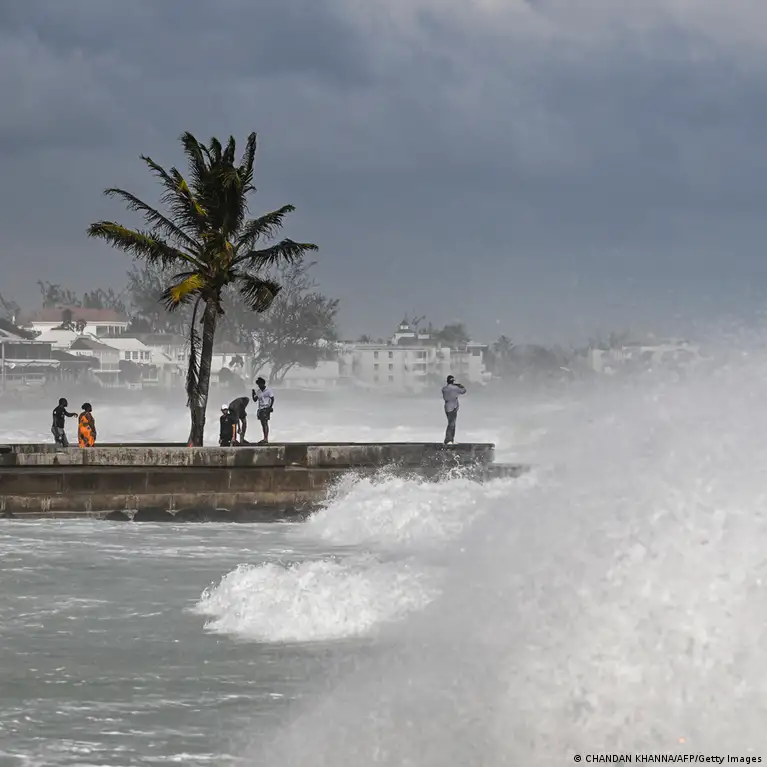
(131, 349)
(395, 367)
(108, 371)
(97, 322)
(411, 362)
(59, 338)
(152, 364)
(172, 346)
(466, 364)
(643, 356)
(169, 353)
(232, 357)
(24, 362)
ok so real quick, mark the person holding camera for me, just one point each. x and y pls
(264, 398)
(450, 393)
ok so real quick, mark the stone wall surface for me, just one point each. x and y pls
(292, 454)
(167, 482)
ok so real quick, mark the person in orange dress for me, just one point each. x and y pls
(86, 427)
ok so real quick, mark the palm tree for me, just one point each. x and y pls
(502, 351)
(503, 346)
(208, 239)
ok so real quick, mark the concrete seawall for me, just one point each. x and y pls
(174, 482)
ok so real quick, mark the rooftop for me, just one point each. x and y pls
(91, 344)
(57, 314)
(126, 344)
(73, 360)
(158, 339)
(8, 330)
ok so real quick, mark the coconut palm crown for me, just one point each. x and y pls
(205, 235)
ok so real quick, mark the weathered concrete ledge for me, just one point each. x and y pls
(170, 482)
(316, 454)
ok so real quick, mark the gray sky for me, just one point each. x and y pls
(543, 168)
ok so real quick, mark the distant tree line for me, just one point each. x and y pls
(299, 328)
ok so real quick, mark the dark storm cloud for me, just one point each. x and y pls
(447, 156)
(91, 71)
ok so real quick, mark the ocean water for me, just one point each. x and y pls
(611, 601)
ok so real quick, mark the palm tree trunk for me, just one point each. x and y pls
(199, 403)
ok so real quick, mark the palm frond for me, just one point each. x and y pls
(193, 368)
(198, 170)
(285, 252)
(187, 286)
(143, 245)
(177, 198)
(154, 218)
(223, 196)
(258, 293)
(189, 202)
(229, 152)
(247, 161)
(263, 228)
(214, 151)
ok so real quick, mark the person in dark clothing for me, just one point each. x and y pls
(228, 433)
(57, 428)
(238, 409)
(450, 393)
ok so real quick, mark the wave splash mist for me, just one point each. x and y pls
(400, 521)
(618, 604)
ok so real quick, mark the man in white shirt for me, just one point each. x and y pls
(264, 399)
(450, 393)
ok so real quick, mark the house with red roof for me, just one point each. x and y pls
(95, 322)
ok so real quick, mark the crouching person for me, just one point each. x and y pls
(227, 435)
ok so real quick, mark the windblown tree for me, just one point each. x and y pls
(299, 329)
(502, 355)
(146, 284)
(9, 309)
(454, 335)
(54, 295)
(206, 237)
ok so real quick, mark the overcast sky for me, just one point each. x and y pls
(545, 168)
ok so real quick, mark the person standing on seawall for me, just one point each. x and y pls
(57, 428)
(450, 393)
(227, 435)
(86, 427)
(264, 398)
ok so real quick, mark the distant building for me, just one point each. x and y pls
(97, 322)
(59, 338)
(411, 362)
(139, 365)
(638, 355)
(23, 361)
(108, 370)
(131, 349)
(172, 345)
(169, 353)
(235, 359)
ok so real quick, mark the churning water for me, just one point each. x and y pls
(612, 601)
